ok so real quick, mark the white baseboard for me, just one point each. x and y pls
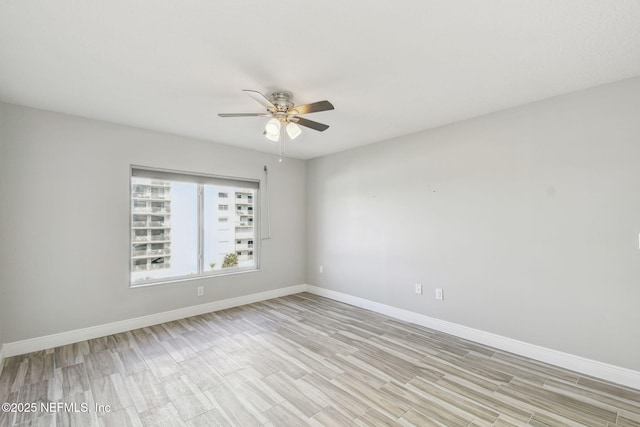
(575, 363)
(70, 337)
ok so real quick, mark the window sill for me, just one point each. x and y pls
(144, 284)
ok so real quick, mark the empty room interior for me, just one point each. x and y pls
(334, 213)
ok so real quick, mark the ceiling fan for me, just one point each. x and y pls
(283, 112)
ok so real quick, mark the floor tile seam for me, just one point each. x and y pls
(454, 394)
(553, 413)
(591, 406)
(595, 401)
(450, 408)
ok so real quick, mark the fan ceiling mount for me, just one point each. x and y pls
(283, 111)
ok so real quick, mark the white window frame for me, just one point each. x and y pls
(201, 180)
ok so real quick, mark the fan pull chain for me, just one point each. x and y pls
(282, 152)
(268, 202)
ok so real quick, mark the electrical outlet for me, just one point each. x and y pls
(321, 269)
(200, 291)
(439, 295)
(418, 289)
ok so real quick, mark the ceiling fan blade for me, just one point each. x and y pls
(320, 127)
(260, 98)
(312, 108)
(244, 115)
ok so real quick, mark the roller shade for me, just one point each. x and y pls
(166, 175)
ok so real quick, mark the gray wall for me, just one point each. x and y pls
(65, 194)
(527, 218)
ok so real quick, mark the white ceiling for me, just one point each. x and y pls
(389, 67)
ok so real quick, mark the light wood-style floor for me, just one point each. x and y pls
(302, 360)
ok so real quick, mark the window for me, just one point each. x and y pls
(174, 226)
(223, 195)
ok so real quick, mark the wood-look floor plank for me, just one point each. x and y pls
(593, 410)
(330, 416)
(613, 402)
(612, 389)
(359, 370)
(541, 419)
(178, 349)
(165, 416)
(131, 361)
(100, 363)
(127, 417)
(484, 397)
(120, 342)
(7, 417)
(235, 409)
(628, 419)
(385, 403)
(338, 397)
(13, 374)
(303, 360)
(434, 391)
(438, 409)
(539, 368)
(373, 417)
(97, 344)
(292, 392)
(145, 390)
(507, 368)
(418, 419)
(164, 367)
(74, 379)
(36, 393)
(147, 343)
(251, 389)
(285, 414)
(506, 421)
(454, 371)
(212, 418)
(111, 389)
(200, 373)
(39, 368)
(187, 398)
(78, 417)
(71, 354)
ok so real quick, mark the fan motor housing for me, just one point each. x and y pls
(281, 100)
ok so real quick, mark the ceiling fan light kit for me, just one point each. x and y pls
(282, 111)
(272, 137)
(273, 127)
(293, 130)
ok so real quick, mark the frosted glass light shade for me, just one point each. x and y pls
(273, 127)
(272, 136)
(293, 130)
